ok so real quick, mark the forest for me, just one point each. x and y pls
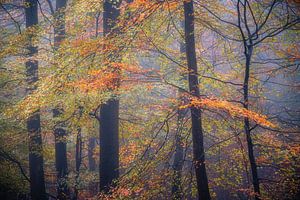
(150, 99)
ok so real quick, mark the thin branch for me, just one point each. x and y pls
(12, 18)
(8, 157)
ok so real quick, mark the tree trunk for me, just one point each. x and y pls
(36, 160)
(178, 159)
(59, 131)
(109, 113)
(78, 155)
(92, 164)
(91, 148)
(61, 163)
(197, 132)
(179, 153)
(109, 144)
(251, 156)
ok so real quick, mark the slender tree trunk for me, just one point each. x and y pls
(61, 163)
(255, 180)
(178, 159)
(93, 186)
(92, 140)
(59, 131)
(91, 148)
(92, 164)
(109, 112)
(179, 154)
(78, 156)
(36, 160)
(197, 132)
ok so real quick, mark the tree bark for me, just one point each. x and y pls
(36, 160)
(109, 112)
(178, 159)
(109, 144)
(59, 131)
(78, 155)
(93, 186)
(91, 148)
(179, 151)
(255, 180)
(197, 132)
(61, 162)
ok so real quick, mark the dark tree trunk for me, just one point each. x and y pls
(36, 160)
(93, 186)
(109, 112)
(78, 155)
(59, 131)
(255, 180)
(109, 144)
(61, 163)
(179, 151)
(91, 148)
(197, 132)
(178, 159)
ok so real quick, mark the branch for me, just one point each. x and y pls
(278, 30)
(8, 157)
(50, 6)
(11, 17)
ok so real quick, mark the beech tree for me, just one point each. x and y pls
(179, 150)
(197, 130)
(253, 31)
(250, 40)
(109, 112)
(36, 160)
(60, 133)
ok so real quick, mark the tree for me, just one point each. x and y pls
(60, 133)
(36, 160)
(256, 23)
(109, 112)
(197, 131)
(179, 151)
(252, 37)
(78, 160)
(92, 140)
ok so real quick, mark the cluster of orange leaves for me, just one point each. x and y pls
(293, 52)
(232, 109)
(142, 9)
(97, 80)
(129, 153)
(108, 77)
(86, 46)
(148, 3)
